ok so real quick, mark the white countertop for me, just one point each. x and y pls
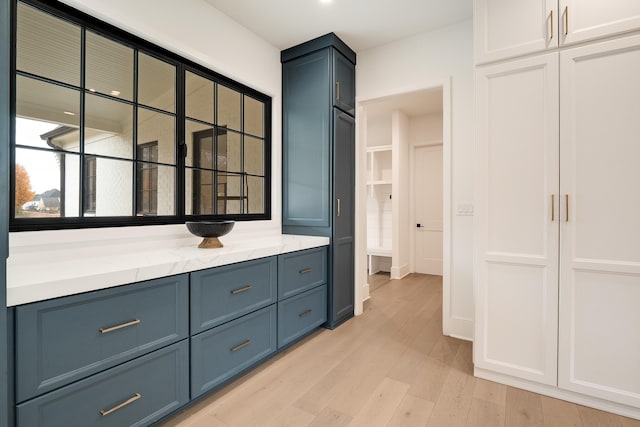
(36, 277)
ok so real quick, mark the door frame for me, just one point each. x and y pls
(361, 290)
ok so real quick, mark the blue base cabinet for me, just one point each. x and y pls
(318, 160)
(126, 356)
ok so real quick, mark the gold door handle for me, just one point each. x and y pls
(241, 345)
(566, 207)
(305, 270)
(129, 401)
(305, 313)
(553, 207)
(551, 25)
(338, 207)
(337, 91)
(566, 20)
(241, 290)
(123, 325)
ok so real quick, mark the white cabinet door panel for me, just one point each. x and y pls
(508, 28)
(517, 244)
(599, 351)
(582, 20)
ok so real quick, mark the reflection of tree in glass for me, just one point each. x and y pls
(24, 193)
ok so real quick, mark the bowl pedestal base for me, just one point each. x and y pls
(210, 242)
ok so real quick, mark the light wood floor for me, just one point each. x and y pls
(389, 367)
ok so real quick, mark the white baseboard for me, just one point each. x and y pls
(400, 272)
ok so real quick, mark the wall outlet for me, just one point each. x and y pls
(464, 209)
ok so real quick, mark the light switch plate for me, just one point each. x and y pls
(464, 209)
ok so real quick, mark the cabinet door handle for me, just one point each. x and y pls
(337, 91)
(566, 20)
(122, 325)
(551, 24)
(129, 401)
(305, 270)
(305, 313)
(566, 207)
(553, 207)
(241, 345)
(338, 207)
(241, 290)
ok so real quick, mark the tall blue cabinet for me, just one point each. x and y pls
(318, 163)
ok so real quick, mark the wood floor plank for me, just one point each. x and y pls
(524, 409)
(329, 417)
(629, 422)
(558, 413)
(490, 392)
(412, 412)
(382, 404)
(486, 414)
(595, 418)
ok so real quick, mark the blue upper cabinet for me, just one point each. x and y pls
(318, 163)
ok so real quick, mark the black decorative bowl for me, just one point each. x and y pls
(210, 230)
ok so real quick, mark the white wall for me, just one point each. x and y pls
(415, 63)
(197, 31)
(400, 201)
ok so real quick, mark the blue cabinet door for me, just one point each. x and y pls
(300, 271)
(136, 393)
(301, 314)
(344, 87)
(221, 294)
(66, 339)
(224, 351)
(306, 170)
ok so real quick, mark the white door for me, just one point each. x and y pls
(599, 350)
(428, 209)
(508, 28)
(517, 230)
(582, 20)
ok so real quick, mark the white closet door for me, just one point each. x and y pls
(600, 244)
(582, 20)
(517, 237)
(508, 28)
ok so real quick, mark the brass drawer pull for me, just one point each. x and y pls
(551, 25)
(337, 91)
(241, 345)
(566, 208)
(306, 270)
(305, 313)
(241, 290)
(123, 325)
(121, 405)
(553, 207)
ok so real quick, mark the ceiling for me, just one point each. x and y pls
(362, 24)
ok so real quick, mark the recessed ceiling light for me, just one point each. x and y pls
(115, 92)
(92, 90)
(69, 113)
(326, 1)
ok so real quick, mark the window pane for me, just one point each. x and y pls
(47, 46)
(155, 193)
(156, 83)
(253, 116)
(229, 151)
(199, 193)
(253, 155)
(109, 67)
(108, 127)
(199, 139)
(42, 108)
(114, 184)
(199, 97)
(229, 193)
(254, 192)
(228, 108)
(46, 184)
(159, 128)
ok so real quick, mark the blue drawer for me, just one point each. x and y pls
(221, 294)
(223, 352)
(66, 339)
(133, 394)
(301, 271)
(301, 314)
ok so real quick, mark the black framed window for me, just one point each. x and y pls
(122, 132)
